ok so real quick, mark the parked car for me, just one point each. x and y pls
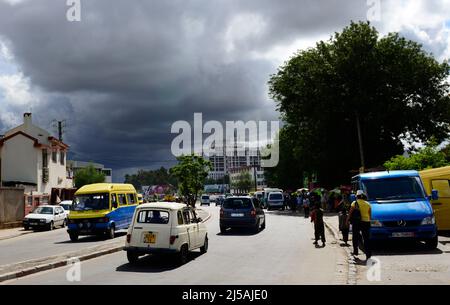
(275, 200)
(45, 216)
(242, 212)
(165, 228)
(400, 207)
(67, 205)
(204, 199)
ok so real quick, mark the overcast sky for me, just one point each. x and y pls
(129, 69)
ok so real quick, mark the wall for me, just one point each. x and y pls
(12, 206)
(19, 160)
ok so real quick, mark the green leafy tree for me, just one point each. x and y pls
(159, 176)
(390, 85)
(244, 182)
(425, 158)
(88, 175)
(191, 172)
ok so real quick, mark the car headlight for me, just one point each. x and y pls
(428, 221)
(376, 223)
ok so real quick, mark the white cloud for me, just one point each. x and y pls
(15, 89)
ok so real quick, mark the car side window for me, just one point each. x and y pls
(180, 218)
(186, 217)
(192, 215)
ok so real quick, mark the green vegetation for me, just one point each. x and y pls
(88, 175)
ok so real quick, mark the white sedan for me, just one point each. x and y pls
(165, 227)
(45, 216)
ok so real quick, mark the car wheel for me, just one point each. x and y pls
(111, 232)
(432, 243)
(51, 226)
(64, 223)
(26, 228)
(73, 236)
(132, 257)
(183, 255)
(264, 224)
(204, 249)
(223, 229)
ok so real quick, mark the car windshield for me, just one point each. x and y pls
(205, 197)
(43, 210)
(237, 203)
(393, 188)
(275, 196)
(91, 202)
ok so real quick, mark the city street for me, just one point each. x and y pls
(283, 253)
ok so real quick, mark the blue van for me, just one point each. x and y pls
(400, 207)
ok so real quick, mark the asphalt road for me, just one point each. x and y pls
(45, 243)
(281, 254)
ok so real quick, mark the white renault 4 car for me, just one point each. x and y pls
(165, 227)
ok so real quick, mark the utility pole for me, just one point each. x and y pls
(59, 127)
(361, 150)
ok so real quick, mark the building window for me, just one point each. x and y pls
(44, 158)
(62, 157)
(54, 156)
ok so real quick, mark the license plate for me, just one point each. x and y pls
(149, 238)
(403, 234)
(33, 223)
(237, 214)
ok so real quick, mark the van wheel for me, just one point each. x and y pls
(183, 255)
(111, 232)
(73, 236)
(132, 257)
(204, 249)
(432, 243)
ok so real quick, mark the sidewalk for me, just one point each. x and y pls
(11, 233)
(332, 223)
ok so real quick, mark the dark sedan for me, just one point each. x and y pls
(242, 212)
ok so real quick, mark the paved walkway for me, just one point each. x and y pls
(11, 233)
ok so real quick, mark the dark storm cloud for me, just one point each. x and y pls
(130, 69)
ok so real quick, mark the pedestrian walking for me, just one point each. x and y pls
(360, 216)
(319, 226)
(306, 202)
(343, 209)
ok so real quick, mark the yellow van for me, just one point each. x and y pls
(102, 208)
(439, 179)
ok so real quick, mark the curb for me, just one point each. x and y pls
(350, 261)
(57, 264)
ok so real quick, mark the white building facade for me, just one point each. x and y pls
(32, 158)
(77, 165)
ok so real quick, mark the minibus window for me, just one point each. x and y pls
(131, 199)
(122, 199)
(113, 200)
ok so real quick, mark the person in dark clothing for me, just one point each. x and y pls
(343, 208)
(306, 203)
(319, 226)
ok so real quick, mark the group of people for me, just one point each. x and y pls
(356, 213)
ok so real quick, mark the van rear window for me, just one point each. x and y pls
(275, 196)
(153, 216)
